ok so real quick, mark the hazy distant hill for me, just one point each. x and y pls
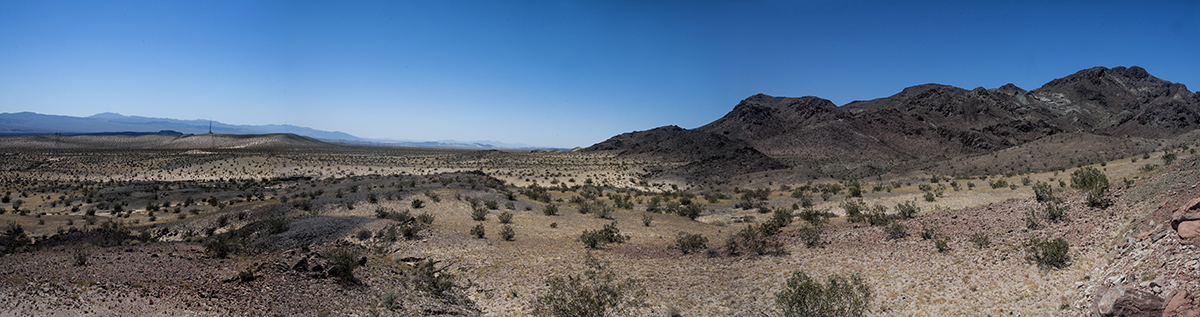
(27, 123)
(931, 122)
(161, 142)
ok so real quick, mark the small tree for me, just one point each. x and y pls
(839, 296)
(596, 292)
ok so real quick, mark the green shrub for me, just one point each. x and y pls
(1043, 192)
(478, 231)
(814, 217)
(1048, 253)
(426, 277)
(907, 210)
(505, 217)
(595, 239)
(691, 211)
(112, 233)
(896, 231)
(80, 254)
(1088, 178)
(507, 233)
(14, 239)
(596, 292)
(928, 232)
(1097, 197)
(491, 204)
(689, 243)
(342, 262)
(811, 235)
(1055, 213)
(425, 218)
(479, 214)
(782, 217)
(363, 235)
(929, 197)
(550, 210)
(646, 219)
(877, 216)
(219, 247)
(854, 209)
(418, 204)
(839, 296)
(1169, 157)
(756, 239)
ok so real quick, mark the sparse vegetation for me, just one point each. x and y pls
(507, 233)
(803, 296)
(477, 231)
(596, 292)
(1048, 253)
(595, 239)
(690, 243)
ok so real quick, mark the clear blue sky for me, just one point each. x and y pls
(549, 73)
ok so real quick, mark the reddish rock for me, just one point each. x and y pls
(1181, 306)
(1127, 302)
(1186, 220)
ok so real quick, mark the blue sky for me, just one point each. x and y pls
(549, 73)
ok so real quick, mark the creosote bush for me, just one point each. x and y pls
(1048, 253)
(478, 231)
(838, 296)
(595, 239)
(896, 231)
(596, 292)
(550, 210)
(507, 233)
(690, 243)
(479, 214)
(505, 217)
(342, 262)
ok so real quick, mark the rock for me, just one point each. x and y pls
(1181, 306)
(1124, 302)
(1189, 229)
(1185, 214)
(301, 265)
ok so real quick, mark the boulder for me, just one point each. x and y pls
(1185, 219)
(1119, 301)
(1181, 305)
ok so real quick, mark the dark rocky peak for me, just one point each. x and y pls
(1118, 80)
(1009, 89)
(760, 106)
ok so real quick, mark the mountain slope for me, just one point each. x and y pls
(930, 123)
(708, 156)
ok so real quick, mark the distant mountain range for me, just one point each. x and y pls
(928, 124)
(30, 123)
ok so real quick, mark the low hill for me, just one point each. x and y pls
(707, 156)
(157, 141)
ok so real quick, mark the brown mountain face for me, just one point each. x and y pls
(932, 122)
(708, 155)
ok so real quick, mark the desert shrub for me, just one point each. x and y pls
(478, 231)
(854, 209)
(689, 243)
(550, 210)
(363, 235)
(507, 233)
(999, 183)
(980, 240)
(1043, 192)
(756, 239)
(1048, 253)
(1088, 178)
(505, 217)
(1055, 213)
(877, 216)
(596, 292)
(691, 211)
(425, 218)
(602, 210)
(838, 296)
(14, 238)
(595, 239)
(646, 219)
(896, 231)
(1149, 167)
(782, 217)
(942, 244)
(80, 254)
(112, 233)
(1169, 157)
(907, 210)
(426, 277)
(928, 232)
(929, 197)
(219, 247)
(811, 235)
(510, 205)
(388, 298)
(491, 204)
(1031, 220)
(418, 204)
(813, 216)
(479, 214)
(342, 262)
(1097, 197)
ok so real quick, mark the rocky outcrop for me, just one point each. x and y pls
(1186, 220)
(1181, 305)
(1119, 301)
